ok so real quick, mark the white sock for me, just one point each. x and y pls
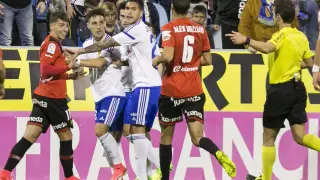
(149, 168)
(110, 145)
(108, 157)
(141, 150)
(152, 155)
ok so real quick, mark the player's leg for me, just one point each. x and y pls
(61, 122)
(37, 124)
(169, 115)
(308, 140)
(194, 113)
(108, 112)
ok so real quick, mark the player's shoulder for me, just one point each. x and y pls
(88, 42)
(51, 46)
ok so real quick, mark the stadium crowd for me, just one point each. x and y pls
(25, 22)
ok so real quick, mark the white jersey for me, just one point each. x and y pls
(126, 78)
(141, 48)
(105, 81)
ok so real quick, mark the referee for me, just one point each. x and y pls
(286, 98)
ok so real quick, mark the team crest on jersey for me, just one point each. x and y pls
(166, 35)
(51, 48)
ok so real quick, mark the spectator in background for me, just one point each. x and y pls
(83, 30)
(228, 18)
(1, 8)
(199, 15)
(40, 25)
(151, 16)
(195, 3)
(21, 12)
(76, 14)
(111, 17)
(166, 4)
(257, 21)
(308, 21)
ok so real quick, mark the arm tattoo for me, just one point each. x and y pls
(99, 46)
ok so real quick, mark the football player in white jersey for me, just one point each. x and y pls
(107, 89)
(142, 105)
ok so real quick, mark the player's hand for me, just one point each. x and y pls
(315, 76)
(155, 62)
(2, 91)
(216, 27)
(252, 50)
(41, 7)
(70, 11)
(237, 38)
(77, 75)
(1, 8)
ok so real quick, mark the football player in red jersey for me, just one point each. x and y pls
(185, 48)
(2, 76)
(49, 101)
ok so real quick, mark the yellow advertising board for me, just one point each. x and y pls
(235, 83)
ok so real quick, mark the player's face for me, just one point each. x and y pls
(133, 12)
(123, 19)
(111, 18)
(97, 26)
(60, 29)
(198, 18)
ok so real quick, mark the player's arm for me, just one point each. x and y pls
(264, 47)
(168, 45)
(48, 56)
(206, 59)
(166, 56)
(316, 66)
(99, 46)
(306, 63)
(92, 63)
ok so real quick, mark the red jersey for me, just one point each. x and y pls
(52, 70)
(189, 39)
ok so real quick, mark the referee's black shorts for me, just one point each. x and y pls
(285, 101)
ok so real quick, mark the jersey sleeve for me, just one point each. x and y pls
(129, 36)
(50, 51)
(308, 53)
(206, 43)
(168, 39)
(157, 51)
(276, 38)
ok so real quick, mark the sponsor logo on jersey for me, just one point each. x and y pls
(60, 126)
(51, 48)
(185, 69)
(166, 35)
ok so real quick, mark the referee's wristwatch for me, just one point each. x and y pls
(247, 41)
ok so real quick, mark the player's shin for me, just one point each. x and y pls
(165, 153)
(208, 145)
(268, 159)
(141, 150)
(110, 145)
(152, 156)
(66, 157)
(17, 153)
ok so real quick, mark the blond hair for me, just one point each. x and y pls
(108, 7)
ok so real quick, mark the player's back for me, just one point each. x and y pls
(189, 39)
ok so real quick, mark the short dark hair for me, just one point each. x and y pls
(286, 9)
(200, 9)
(139, 2)
(91, 4)
(181, 6)
(122, 6)
(96, 12)
(55, 16)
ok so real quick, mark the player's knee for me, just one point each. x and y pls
(298, 139)
(196, 141)
(126, 130)
(166, 139)
(100, 130)
(65, 135)
(32, 136)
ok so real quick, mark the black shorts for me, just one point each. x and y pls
(171, 109)
(285, 101)
(49, 111)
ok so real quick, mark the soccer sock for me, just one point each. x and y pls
(109, 158)
(110, 145)
(17, 153)
(268, 159)
(149, 168)
(208, 145)
(66, 157)
(311, 141)
(152, 156)
(141, 150)
(165, 153)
